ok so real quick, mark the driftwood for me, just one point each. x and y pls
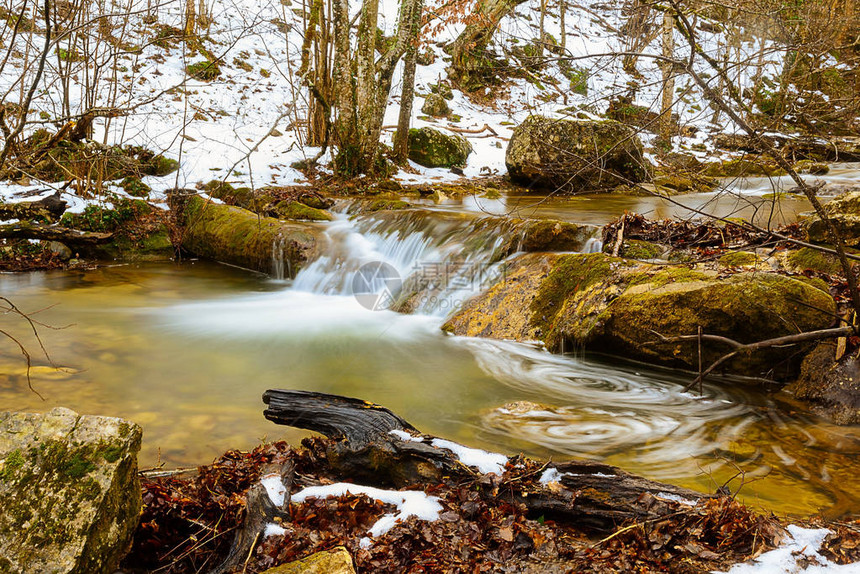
(71, 237)
(46, 209)
(593, 494)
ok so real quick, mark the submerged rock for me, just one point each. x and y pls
(616, 306)
(432, 148)
(831, 386)
(575, 155)
(69, 492)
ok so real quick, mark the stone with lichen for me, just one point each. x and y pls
(69, 492)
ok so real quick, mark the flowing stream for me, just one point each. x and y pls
(187, 351)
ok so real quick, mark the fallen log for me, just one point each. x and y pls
(373, 448)
(46, 209)
(70, 237)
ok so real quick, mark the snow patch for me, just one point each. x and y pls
(403, 435)
(409, 503)
(787, 559)
(273, 529)
(675, 498)
(550, 475)
(485, 462)
(274, 488)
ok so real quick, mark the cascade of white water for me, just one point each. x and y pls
(279, 263)
(444, 260)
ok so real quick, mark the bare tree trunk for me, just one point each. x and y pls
(362, 108)
(190, 19)
(666, 126)
(343, 88)
(467, 50)
(562, 11)
(542, 25)
(407, 93)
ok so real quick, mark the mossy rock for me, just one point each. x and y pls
(436, 106)
(811, 167)
(684, 182)
(638, 249)
(300, 211)
(574, 155)
(335, 561)
(205, 70)
(133, 186)
(844, 213)
(614, 305)
(830, 387)
(243, 238)
(549, 235)
(432, 148)
(739, 259)
(88, 160)
(69, 491)
(316, 201)
(807, 258)
(443, 90)
(152, 246)
(742, 167)
(384, 205)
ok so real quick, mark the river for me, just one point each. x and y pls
(187, 350)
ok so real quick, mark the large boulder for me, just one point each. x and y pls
(575, 155)
(69, 492)
(616, 306)
(240, 237)
(844, 212)
(432, 148)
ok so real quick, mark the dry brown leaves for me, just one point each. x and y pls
(188, 526)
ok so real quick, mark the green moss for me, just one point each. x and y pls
(570, 274)
(578, 80)
(296, 210)
(133, 186)
(76, 466)
(112, 453)
(738, 259)
(386, 205)
(161, 166)
(104, 219)
(665, 276)
(205, 70)
(741, 167)
(638, 249)
(432, 148)
(13, 461)
(816, 282)
(808, 258)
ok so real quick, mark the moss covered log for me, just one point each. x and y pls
(239, 237)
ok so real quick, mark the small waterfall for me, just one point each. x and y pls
(279, 263)
(593, 245)
(441, 259)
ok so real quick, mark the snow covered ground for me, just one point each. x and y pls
(247, 126)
